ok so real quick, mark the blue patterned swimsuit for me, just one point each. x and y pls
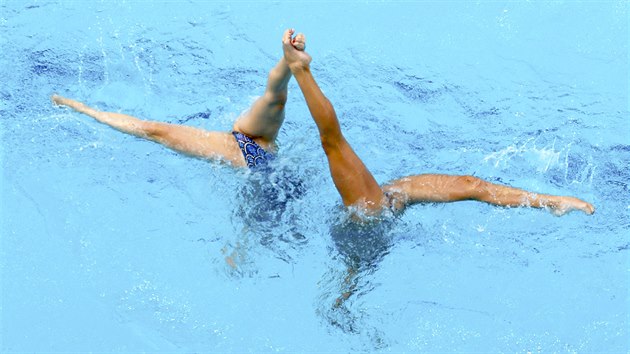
(255, 156)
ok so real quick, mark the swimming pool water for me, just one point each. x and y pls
(110, 243)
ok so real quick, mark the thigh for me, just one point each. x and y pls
(195, 142)
(262, 120)
(353, 180)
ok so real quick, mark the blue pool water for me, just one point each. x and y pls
(113, 244)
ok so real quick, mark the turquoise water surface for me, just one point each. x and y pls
(110, 243)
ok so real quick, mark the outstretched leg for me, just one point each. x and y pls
(353, 180)
(261, 122)
(187, 140)
(357, 186)
(447, 188)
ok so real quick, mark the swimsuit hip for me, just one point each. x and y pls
(255, 156)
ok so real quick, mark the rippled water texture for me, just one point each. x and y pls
(111, 243)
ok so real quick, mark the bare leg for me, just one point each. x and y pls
(351, 282)
(353, 180)
(187, 140)
(447, 188)
(263, 120)
(357, 186)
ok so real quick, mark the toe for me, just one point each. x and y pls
(299, 42)
(286, 37)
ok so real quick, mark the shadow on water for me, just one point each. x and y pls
(269, 212)
(265, 211)
(358, 249)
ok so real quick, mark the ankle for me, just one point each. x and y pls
(299, 68)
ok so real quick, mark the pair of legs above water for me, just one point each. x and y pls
(353, 180)
(261, 123)
(359, 189)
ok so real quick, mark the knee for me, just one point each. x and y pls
(154, 130)
(276, 98)
(331, 142)
(470, 185)
(331, 137)
(281, 97)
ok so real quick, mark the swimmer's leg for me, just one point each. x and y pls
(350, 282)
(264, 118)
(191, 141)
(353, 180)
(447, 188)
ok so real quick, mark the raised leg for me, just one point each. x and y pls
(447, 188)
(263, 120)
(353, 180)
(219, 146)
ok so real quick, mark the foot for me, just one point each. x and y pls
(62, 101)
(299, 42)
(562, 205)
(58, 100)
(296, 58)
